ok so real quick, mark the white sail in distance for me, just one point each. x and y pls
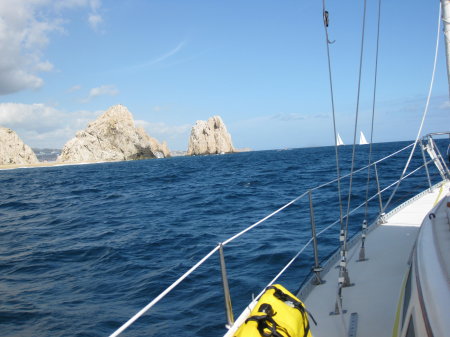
(362, 139)
(339, 141)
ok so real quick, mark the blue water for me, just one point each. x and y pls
(84, 247)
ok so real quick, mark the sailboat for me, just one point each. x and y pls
(339, 141)
(362, 139)
(399, 265)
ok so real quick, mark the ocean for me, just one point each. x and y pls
(84, 247)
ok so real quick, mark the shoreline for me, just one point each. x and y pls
(50, 164)
(56, 163)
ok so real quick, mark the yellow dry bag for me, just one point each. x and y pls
(278, 313)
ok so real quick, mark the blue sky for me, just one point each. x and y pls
(261, 65)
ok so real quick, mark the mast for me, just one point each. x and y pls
(446, 21)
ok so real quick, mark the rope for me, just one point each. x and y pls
(439, 196)
(424, 113)
(373, 107)
(356, 124)
(327, 42)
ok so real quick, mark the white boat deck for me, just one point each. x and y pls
(377, 281)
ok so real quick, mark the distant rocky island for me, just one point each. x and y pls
(178, 153)
(112, 137)
(46, 155)
(210, 137)
(13, 150)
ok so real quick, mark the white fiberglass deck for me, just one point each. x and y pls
(377, 281)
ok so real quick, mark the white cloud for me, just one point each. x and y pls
(156, 60)
(162, 130)
(95, 21)
(74, 88)
(22, 37)
(36, 116)
(288, 117)
(25, 30)
(169, 54)
(103, 90)
(444, 105)
(94, 18)
(177, 136)
(40, 125)
(106, 89)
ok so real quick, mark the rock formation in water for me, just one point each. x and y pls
(210, 137)
(112, 136)
(13, 150)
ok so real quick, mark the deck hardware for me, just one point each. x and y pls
(431, 216)
(344, 278)
(426, 165)
(382, 218)
(380, 201)
(362, 251)
(317, 268)
(435, 155)
(317, 280)
(353, 325)
(338, 304)
(441, 159)
(226, 289)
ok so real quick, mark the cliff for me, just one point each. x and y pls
(210, 137)
(111, 137)
(13, 150)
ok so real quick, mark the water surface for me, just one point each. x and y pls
(84, 247)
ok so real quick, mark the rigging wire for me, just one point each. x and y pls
(373, 109)
(328, 42)
(356, 125)
(424, 113)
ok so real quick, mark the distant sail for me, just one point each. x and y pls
(339, 141)
(362, 139)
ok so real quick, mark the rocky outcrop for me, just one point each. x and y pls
(210, 137)
(113, 136)
(160, 150)
(13, 150)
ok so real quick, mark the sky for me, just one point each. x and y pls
(260, 65)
